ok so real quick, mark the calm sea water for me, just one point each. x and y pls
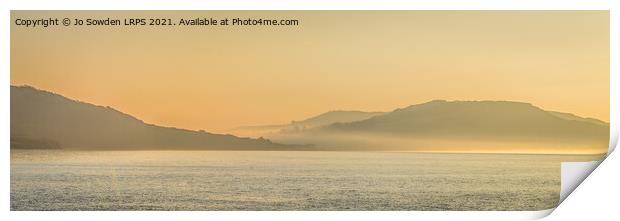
(266, 180)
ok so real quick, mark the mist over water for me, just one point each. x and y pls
(294, 180)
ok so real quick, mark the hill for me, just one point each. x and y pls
(48, 120)
(494, 126)
(490, 119)
(324, 119)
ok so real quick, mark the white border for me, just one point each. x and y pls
(278, 5)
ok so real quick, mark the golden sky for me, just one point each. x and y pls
(217, 78)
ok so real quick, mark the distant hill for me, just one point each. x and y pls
(332, 117)
(460, 123)
(480, 119)
(324, 119)
(569, 116)
(47, 120)
(41, 119)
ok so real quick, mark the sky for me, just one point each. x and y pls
(218, 78)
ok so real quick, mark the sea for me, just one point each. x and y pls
(283, 180)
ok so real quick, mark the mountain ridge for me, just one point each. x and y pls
(323, 119)
(470, 116)
(495, 126)
(46, 117)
